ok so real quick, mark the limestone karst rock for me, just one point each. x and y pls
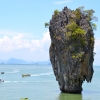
(71, 50)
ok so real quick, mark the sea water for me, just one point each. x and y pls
(42, 84)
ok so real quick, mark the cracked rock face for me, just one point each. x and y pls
(72, 61)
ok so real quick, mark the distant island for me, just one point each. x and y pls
(21, 61)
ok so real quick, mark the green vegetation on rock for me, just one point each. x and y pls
(75, 32)
(89, 14)
(78, 55)
(75, 29)
(46, 25)
(77, 13)
(56, 12)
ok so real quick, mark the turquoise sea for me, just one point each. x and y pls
(41, 85)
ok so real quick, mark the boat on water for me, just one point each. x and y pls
(1, 80)
(25, 75)
(23, 98)
(2, 72)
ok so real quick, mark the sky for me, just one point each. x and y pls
(22, 31)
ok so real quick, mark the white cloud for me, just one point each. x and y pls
(62, 2)
(97, 45)
(97, 51)
(31, 49)
(11, 34)
(10, 44)
(24, 48)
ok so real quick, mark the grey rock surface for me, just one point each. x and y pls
(71, 70)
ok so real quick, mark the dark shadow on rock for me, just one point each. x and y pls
(64, 96)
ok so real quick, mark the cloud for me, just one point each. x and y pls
(97, 45)
(20, 47)
(10, 44)
(24, 48)
(97, 51)
(11, 34)
(62, 2)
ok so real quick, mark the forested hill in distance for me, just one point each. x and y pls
(21, 61)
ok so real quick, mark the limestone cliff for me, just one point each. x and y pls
(71, 50)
